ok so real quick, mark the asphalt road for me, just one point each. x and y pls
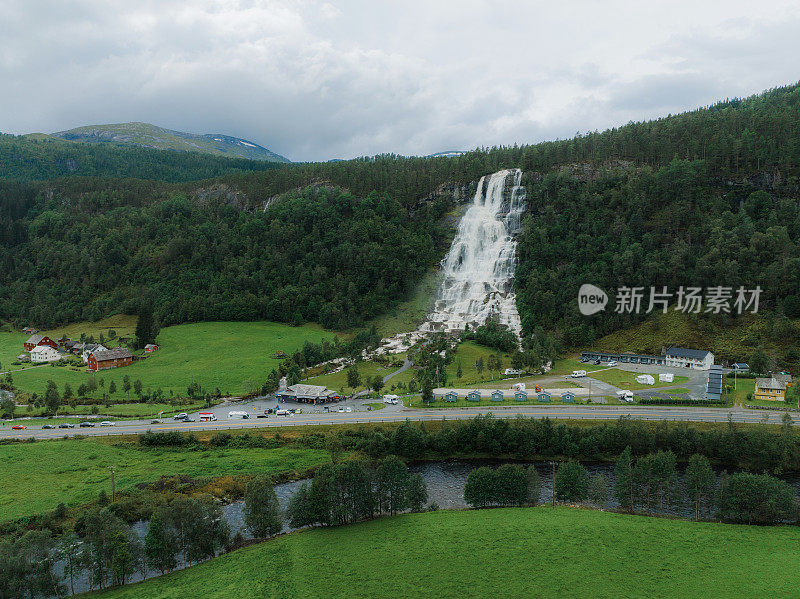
(398, 414)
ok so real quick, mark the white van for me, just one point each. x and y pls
(235, 414)
(576, 374)
(390, 399)
(625, 396)
(282, 412)
(207, 416)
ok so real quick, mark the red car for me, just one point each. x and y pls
(19, 427)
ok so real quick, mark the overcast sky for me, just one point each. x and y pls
(320, 80)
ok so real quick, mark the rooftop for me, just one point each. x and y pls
(112, 354)
(770, 383)
(692, 354)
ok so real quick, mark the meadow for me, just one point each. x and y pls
(235, 357)
(627, 380)
(513, 552)
(38, 476)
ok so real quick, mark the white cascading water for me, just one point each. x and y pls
(478, 271)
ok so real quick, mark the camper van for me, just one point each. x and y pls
(576, 374)
(236, 414)
(390, 399)
(626, 396)
(207, 416)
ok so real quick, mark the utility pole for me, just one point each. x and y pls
(113, 489)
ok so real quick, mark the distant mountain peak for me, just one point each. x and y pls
(153, 136)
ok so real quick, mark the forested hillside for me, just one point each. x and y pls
(31, 158)
(706, 197)
(85, 249)
(644, 227)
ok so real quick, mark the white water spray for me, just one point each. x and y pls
(478, 271)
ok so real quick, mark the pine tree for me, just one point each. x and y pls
(146, 329)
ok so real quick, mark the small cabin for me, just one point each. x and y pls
(568, 397)
(497, 395)
(543, 397)
(474, 396)
(521, 395)
(451, 396)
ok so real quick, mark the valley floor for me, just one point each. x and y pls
(515, 552)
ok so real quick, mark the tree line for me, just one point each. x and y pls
(647, 484)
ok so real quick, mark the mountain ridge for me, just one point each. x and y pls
(152, 136)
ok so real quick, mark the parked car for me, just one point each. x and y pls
(107, 423)
(156, 421)
(86, 425)
(348, 409)
(341, 408)
(45, 426)
(67, 425)
(283, 412)
(19, 427)
(181, 416)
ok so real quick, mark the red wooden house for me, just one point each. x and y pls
(112, 358)
(36, 340)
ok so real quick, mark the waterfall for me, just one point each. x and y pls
(478, 271)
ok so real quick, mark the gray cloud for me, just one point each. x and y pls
(316, 80)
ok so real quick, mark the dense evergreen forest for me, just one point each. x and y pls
(35, 159)
(702, 198)
(87, 249)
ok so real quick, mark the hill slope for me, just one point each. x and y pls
(528, 552)
(39, 157)
(159, 138)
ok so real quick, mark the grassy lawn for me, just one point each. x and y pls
(469, 353)
(39, 475)
(745, 387)
(517, 552)
(368, 370)
(627, 380)
(234, 356)
(376, 405)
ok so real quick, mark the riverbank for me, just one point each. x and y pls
(516, 552)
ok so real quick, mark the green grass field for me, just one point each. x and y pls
(627, 380)
(234, 356)
(524, 552)
(38, 476)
